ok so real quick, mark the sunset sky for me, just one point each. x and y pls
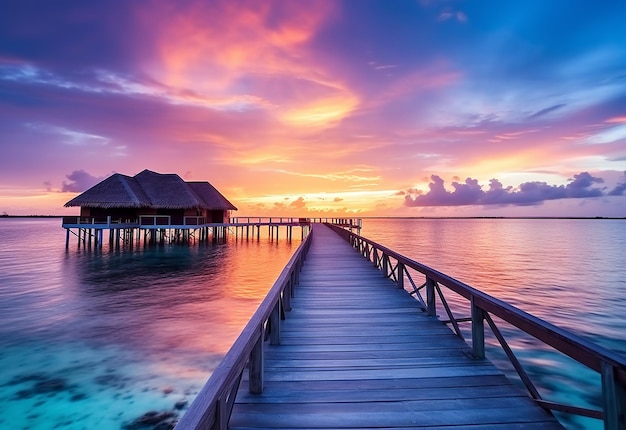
(320, 108)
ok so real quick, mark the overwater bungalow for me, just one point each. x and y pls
(150, 198)
(148, 201)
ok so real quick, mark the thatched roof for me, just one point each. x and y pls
(151, 190)
(213, 198)
(116, 191)
(168, 191)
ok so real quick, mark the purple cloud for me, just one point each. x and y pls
(619, 188)
(529, 193)
(546, 111)
(79, 182)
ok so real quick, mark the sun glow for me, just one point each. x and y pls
(322, 112)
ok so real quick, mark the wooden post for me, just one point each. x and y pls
(400, 275)
(385, 259)
(430, 297)
(275, 325)
(67, 238)
(299, 264)
(255, 371)
(287, 294)
(478, 331)
(613, 399)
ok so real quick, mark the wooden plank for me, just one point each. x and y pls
(288, 395)
(357, 352)
(549, 425)
(392, 384)
(388, 414)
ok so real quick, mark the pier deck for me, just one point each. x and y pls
(357, 352)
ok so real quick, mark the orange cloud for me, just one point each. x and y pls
(211, 45)
(242, 55)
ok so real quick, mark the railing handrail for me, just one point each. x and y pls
(208, 409)
(610, 364)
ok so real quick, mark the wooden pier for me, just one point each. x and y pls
(354, 346)
(357, 352)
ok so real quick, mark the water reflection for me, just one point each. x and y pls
(100, 338)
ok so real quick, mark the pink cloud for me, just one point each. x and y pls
(617, 119)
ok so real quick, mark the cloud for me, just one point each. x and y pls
(546, 111)
(450, 14)
(299, 203)
(619, 188)
(471, 192)
(79, 182)
(608, 135)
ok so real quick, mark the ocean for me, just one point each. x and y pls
(98, 338)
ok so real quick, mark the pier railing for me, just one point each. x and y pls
(166, 220)
(610, 365)
(212, 408)
(343, 222)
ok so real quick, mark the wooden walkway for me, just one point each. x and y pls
(357, 352)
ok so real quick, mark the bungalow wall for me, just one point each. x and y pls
(176, 215)
(116, 214)
(217, 216)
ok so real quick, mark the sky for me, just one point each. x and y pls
(320, 107)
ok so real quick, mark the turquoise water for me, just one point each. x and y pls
(98, 339)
